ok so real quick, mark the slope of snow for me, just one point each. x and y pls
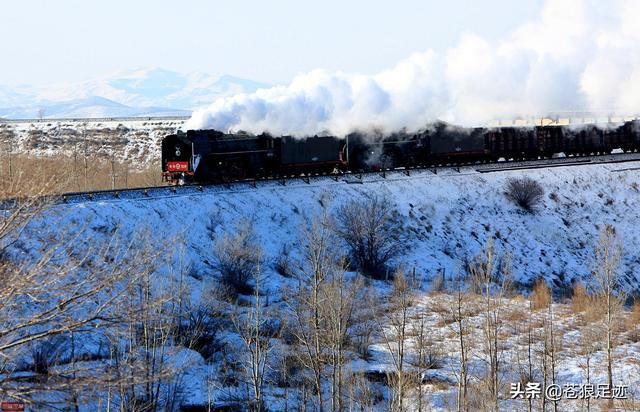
(447, 217)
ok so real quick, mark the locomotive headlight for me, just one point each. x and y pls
(178, 151)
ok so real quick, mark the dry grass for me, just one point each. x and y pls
(580, 299)
(541, 296)
(516, 315)
(633, 322)
(22, 175)
(634, 316)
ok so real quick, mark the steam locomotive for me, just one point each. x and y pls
(204, 156)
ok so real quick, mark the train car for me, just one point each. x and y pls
(513, 143)
(586, 140)
(312, 155)
(375, 151)
(625, 137)
(450, 144)
(550, 140)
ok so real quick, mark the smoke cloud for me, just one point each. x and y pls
(578, 55)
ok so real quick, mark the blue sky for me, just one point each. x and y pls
(45, 41)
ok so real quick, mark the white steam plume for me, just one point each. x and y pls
(577, 55)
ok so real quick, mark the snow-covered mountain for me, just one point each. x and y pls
(145, 92)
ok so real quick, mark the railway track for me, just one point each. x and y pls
(152, 192)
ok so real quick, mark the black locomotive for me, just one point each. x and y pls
(203, 156)
(213, 156)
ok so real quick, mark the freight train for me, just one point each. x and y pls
(207, 156)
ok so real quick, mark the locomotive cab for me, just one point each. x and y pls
(177, 159)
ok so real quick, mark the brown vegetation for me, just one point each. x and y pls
(22, 175)
(580, 299)
(541, 296)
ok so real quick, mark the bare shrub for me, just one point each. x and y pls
(197, 330)
(541, 295)
(237, 258)
(362, 395)
(524, 192)
(371, 230)
(45, 355)
(283, 264)
(437, 284)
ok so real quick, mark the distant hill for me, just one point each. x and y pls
(146, 92)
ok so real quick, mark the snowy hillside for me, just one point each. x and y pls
(146, 92)
(135, 141)
(448, 217)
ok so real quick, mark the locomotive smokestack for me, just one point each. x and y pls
(576, 55)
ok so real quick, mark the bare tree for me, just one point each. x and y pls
(457, 315)
(256, 332)
(427, 354)
(324, 310)
(237, 258)
(588, 346)
(340, 297)
(59, 292)
(139, 356)
(552, 347)
(608, 289)
(85, 157)
(394, 328)
(307, 305)
(372, 232)
(491, 277)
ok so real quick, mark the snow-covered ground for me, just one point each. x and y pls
(448, 217)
